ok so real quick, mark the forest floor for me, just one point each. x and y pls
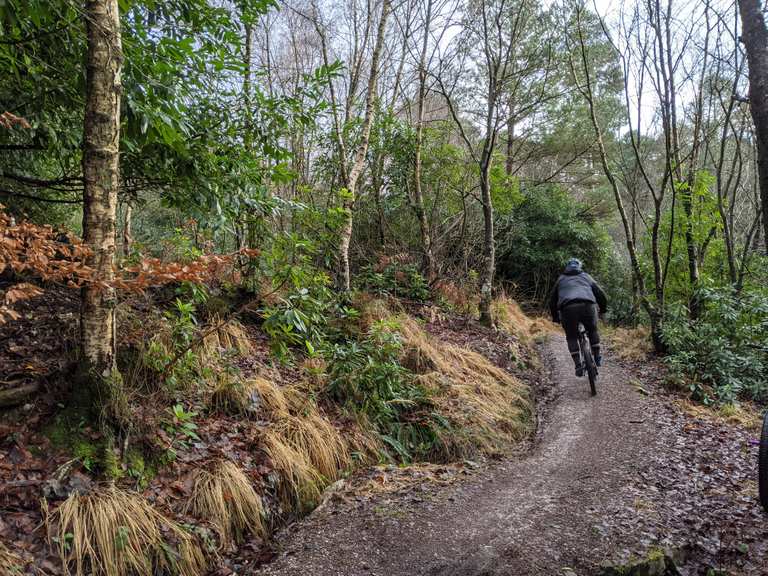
(607, 481)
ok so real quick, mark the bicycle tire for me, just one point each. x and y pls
(589, 362)
(591, 372)
(762, 465)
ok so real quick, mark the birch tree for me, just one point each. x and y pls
(489, 54)
(101, 177)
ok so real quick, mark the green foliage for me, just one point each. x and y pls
(395, 279)
(723, 356)
(505, 190)
(299, 319)
(367, 377)
(538, 237)
(163, 349)
(615, 277)
(706, 226)
(180, 427)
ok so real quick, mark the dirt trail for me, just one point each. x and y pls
(575, 500)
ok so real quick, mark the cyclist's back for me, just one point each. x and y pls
(575, 300)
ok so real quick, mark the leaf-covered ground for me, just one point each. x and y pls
(39, 459)
(607, 480)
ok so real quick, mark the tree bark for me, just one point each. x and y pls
(755, 38)
(356, 170)
(418, 195)
(127, 230)
(17, 395)
(509, 163)
(489, 248)
(101, 177)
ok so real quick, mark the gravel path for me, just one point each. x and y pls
(588, 492)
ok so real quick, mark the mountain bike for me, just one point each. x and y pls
(762, 464)
(589, 362)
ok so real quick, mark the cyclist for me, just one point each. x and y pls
(575, 299)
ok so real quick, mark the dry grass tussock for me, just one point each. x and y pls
(229, 335)
(306, 449)
(256, 395)
(511, 318)
(10, 563)
(463, 299)
(372, 309)
(225, 496)
(300, 482)
(743, 415)
(489, 408)
(114, 533)
(318, 440)
(633, 344)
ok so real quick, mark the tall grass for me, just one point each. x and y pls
(112, 532)
(225, 496)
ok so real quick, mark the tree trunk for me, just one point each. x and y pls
(247, 41)
(755, 38)
(509, 164)
(418, 195)
(655, 311)
(489, 251)
(348, 201)
(101, 180)
(378, 170)
(127, 230)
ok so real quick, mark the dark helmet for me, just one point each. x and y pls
(573, 265)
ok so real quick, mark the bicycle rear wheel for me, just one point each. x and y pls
(762, 465)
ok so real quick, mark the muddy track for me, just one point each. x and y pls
(533, 515)
(569, 503)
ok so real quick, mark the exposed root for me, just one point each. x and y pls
(10, 562)
(226, 497)
(488, 408)
(114, 533)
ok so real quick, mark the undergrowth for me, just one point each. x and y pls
(10, 562)
(486, 408)
(368, 379)
(114, 533)
(723, 356)
(225, 496)
(371, 385)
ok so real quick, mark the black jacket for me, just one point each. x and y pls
(575, 285)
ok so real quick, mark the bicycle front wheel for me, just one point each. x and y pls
(591, 371)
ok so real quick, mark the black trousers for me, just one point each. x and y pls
(580, 312)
